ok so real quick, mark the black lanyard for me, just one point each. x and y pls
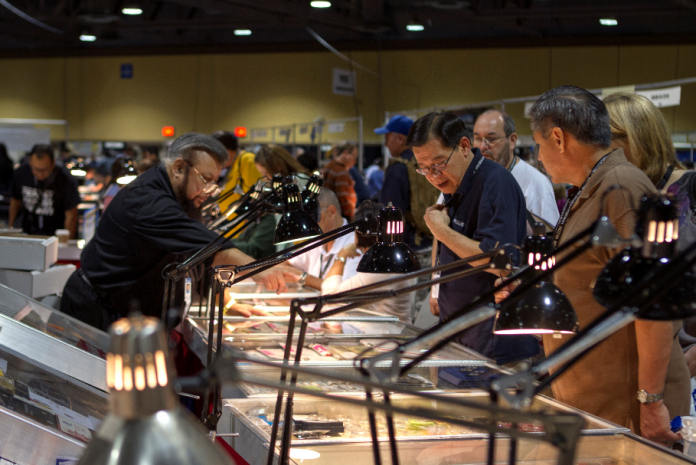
(514, 162)
(569, 204)
(665, 178)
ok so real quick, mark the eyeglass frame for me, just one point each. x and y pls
(210, 187)
(488, 140)
(437, 168)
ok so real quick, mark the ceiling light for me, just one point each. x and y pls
(415, 27)
(87, 37)
(320, 4)
(608, 22)
(132, 11)
(242, 32)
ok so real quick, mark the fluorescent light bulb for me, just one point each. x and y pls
(320, 4)
(132, 11)
(608, 22)
(242, 32)
(88, 38)
(415, 27)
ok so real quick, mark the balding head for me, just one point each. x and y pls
(494, 135)
(330, 211)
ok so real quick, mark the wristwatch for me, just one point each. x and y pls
(341, 259)
(303, 279)
(645, 398)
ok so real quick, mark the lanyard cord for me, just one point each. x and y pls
(569, 204)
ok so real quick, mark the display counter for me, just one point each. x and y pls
(345, 427)
(44, 414)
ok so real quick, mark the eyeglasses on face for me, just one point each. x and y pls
(437, 168)
(209, 187)
(489, 140)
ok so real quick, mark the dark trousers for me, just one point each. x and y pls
(81, 301)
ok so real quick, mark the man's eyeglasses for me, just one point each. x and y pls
(209, 187)
(437, 168)
(491, 141)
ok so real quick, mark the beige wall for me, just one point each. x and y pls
(209, 92)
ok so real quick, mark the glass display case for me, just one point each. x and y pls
(45, 335)
(45, 415)
(615, 449)
(343, 427)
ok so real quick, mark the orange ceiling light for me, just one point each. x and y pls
(168, 131)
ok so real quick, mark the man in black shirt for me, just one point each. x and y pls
(148, 226)
(44, 196)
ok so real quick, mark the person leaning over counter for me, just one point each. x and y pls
(148, 226)
(484, 207)
(572, 129)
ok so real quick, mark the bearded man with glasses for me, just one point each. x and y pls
(149, 225)
(495, 136)
(484, 207)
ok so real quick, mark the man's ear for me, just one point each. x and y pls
(179, 167)
(465, 144)
(513, 140)
(559, 139)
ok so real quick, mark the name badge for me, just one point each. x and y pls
(187, 295)
(435, 288)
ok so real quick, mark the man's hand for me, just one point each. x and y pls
(434, 306)
(437, 219)
(274, 279)
(246, 310)
(349, 251)
(655, 424)
(690, 356)
(505, 292)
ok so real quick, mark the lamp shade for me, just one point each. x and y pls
(146, 423)
(390, 254)
(295, 223)
(658, 228)
(543, 309)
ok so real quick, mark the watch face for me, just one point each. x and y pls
(642, 396)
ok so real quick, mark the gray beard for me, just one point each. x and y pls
(189, 208)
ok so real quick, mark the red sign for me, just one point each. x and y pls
(168, 131)
(240, 131)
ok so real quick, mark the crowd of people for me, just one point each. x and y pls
(463, 190)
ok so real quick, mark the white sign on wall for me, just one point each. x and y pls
(668, 97)
(335, 128)
(343, 82)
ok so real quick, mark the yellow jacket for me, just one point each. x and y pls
(242, 169)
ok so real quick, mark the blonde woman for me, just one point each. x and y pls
(638, 127)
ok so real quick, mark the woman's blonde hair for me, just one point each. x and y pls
(276, 160)
(638, 125)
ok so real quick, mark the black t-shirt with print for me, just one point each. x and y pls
(44, 203)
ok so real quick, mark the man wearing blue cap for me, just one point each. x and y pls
(397, 187)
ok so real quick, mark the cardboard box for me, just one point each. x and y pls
(29, 253)
(37, 284)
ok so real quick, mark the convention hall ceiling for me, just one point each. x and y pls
(54, 27)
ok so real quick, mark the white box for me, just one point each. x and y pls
(28, 252)
(37, 284)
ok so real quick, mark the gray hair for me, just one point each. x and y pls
(508, 122)
(184, 146)
(576, 111)
(326, 198)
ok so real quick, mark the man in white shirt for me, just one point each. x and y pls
(494, 135)
(316, 263)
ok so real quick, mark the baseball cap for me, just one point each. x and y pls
(401, 124)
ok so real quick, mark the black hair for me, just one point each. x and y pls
(42, 150)
(575, 110)
(445, 127)
(228, 139)
(185, 145)
(366, 209)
